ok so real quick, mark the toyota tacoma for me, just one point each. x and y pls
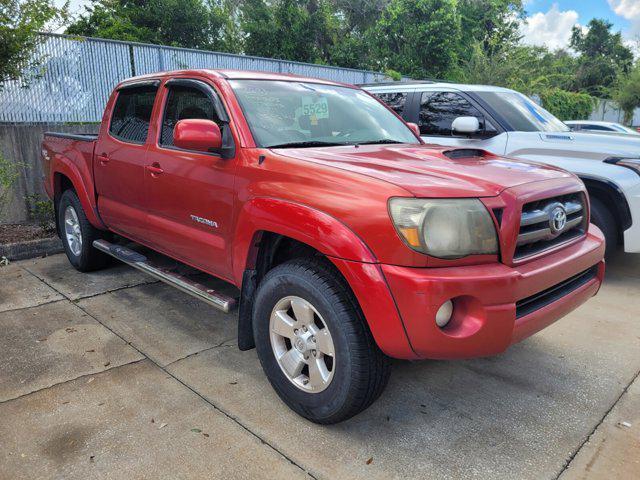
(349, 240)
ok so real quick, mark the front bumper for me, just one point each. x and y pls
(485, 297)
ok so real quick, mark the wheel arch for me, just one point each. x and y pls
(268, 250)
(305, 224)
(612, 197)
(65, 176)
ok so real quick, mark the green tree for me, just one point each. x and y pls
(301, 30)
(359, 15)
(603, 57)
(494, 24)
(419, 38)
(525, 68)
(20, 22)
(182, 23)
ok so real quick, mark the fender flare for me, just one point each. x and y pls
(301, 222)
(618, 204)
(79, 180)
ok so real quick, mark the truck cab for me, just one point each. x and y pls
(349, 240)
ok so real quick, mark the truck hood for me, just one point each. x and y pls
(595, 145)
(427, 171)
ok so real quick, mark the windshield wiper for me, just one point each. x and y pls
(379, 142)
(313, 143)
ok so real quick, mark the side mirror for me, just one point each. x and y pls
(197, 134)
(466, 125)
(414, 128)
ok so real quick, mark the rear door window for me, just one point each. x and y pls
(438, 110)
(132, 113)
(600, 128)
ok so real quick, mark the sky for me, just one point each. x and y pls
(549, 22)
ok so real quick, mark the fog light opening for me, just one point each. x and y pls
(444, 314)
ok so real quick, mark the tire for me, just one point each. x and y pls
(80, 251)
(602, 217)
(358, 371)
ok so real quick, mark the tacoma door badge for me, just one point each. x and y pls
(205, 221)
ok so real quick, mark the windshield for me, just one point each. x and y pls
(522, 114)
(299, 114)
(624, 129)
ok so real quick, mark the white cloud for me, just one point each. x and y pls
(551, 29)
(629, 10)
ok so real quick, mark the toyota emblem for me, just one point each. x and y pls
(557, 220)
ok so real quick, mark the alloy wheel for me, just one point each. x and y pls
(302, 344)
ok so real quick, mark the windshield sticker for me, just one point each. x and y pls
(315, 108)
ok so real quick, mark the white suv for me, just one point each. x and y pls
(506, 122)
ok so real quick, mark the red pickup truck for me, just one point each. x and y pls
(350, 240)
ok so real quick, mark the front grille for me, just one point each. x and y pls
(542, 299)
(541, 223)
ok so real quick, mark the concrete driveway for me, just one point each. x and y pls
(112, 375)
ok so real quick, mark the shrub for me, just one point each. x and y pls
(41, 212)
(568, 105)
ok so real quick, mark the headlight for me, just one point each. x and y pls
(632, 163)
(444, 228)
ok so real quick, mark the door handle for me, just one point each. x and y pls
(103, 159)
(155, 169)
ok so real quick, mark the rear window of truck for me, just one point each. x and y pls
(132, 113)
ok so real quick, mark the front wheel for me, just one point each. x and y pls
(313, 343)
(78, 234)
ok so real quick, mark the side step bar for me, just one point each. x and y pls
(139, 261)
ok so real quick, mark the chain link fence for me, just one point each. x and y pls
(77, 74)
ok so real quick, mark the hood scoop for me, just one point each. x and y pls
(464, 153)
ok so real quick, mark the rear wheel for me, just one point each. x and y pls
(78, 234)
(313, 343)
(602, 217)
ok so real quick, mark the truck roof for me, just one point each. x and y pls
(232, 75)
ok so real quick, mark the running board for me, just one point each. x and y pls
(139, 261)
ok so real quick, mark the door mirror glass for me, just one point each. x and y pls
(466, 125)
(414, 128)
(197, 134)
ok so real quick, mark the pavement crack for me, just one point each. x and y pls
(224, 343)
(595, 428)
(50, 302)
(80, 377)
